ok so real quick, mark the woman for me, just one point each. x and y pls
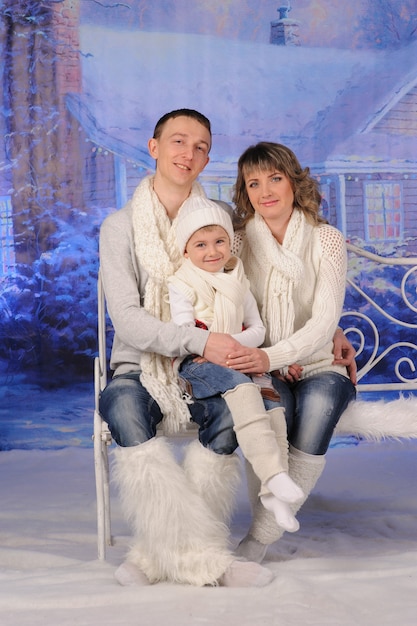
(296, 265)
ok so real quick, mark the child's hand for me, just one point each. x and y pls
(294, 373)
(199, 359)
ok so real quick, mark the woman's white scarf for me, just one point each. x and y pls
(283, 269)
(157, 252)
(222, 293)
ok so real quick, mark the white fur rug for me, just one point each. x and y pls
(380, 420)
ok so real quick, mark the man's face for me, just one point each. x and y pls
(181, 151)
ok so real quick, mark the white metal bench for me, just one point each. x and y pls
(363, 419)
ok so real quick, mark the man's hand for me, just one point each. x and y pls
(218, 347)
(344, 354)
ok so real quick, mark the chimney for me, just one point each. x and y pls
(285, 31)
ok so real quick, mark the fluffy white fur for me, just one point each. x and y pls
(177, 537)
(216, 477)
(379, 420)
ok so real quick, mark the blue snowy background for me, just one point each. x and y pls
(84, 83)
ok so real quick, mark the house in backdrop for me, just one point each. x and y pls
(350, 115)
(80, 103)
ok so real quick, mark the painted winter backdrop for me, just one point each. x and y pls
(84, 82)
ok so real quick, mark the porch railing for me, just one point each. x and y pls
(382, 324)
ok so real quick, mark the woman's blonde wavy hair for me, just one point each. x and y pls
(266, 156)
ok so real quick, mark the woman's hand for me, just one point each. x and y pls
(248, 360)
(344, 354)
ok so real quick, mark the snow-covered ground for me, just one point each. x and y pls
(353, 562)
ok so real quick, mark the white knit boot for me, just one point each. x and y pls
(177, 538)
(265, 448)
(305, 469)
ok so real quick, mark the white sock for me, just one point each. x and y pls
(246, 574)
(128, 574)
(283, 514)
(284, 488)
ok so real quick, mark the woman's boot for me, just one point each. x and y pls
(305, 469)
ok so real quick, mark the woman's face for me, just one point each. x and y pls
(270, 193)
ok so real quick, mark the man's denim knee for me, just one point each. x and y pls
(129, 410)
(133, 415)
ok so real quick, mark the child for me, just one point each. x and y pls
(211, 290)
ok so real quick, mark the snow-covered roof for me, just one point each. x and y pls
(319, 101)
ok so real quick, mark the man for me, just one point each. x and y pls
(179, 514)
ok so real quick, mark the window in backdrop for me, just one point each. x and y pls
(383, 211)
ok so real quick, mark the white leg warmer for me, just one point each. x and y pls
(264, 446)
(216, 477)
(282, 485)
(276, 419)
(177, 537)
(305, 469)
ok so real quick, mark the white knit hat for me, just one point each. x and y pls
(197, 212)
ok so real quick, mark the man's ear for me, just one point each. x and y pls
(153, 147)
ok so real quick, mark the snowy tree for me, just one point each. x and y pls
(388, 23)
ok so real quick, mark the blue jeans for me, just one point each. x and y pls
(313, 407)
(204, 380)
(133, 415)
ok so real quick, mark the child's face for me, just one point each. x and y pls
(209, 248)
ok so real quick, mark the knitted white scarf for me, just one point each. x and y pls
(283, 269)
(223, 293)
(157, 252)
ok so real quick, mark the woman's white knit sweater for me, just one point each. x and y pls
(317, 300)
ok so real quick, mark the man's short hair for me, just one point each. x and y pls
(199, 117)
